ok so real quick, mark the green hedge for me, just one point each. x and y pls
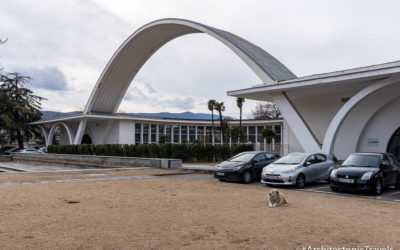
(186, 152)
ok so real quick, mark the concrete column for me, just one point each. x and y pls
(134, 133)
(230, 139)
(172, 133)
(149, 134)
(180, 133)
(195, 136)
(188, 134)
(157, 132)
(81, 130)
(141, 133)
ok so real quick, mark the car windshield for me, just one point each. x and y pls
(291, 159)
(362, 161)
(243, 157)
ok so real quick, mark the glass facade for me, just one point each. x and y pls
(153, 131)
(145, 133)
(168, 131)
(176, 133)
(200, 133)
(259, 136)
(184, 134)
(137, 133)
(217, 135)
(278, 132)
(208, 134)
(252, 134)
(192, 134)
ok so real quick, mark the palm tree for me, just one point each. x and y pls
(220, 107)
(211, 105)
(239, 103)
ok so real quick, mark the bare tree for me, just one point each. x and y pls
(267, 111)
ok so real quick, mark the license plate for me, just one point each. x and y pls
(220, 174)
(346, 180)
(272, 177)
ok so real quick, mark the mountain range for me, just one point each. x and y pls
(183, 115)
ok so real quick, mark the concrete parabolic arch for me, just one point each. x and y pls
(142, 44)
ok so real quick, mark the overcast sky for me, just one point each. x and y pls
(65, 45)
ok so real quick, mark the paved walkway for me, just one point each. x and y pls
(205, 168)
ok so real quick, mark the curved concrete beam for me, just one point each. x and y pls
(45, 134)
(337, 121)
(142, 44)
(52, 129)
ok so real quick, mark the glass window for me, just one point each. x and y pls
(208, 134)
(321, 158)
(200, 132)
(168, 130)
(259, 136)
(252, 134)
(277, 129)
(176, 133)
(192, 134)
(145, 133)
(160, 129)
(259, 157)
(153, 133)
(270, 156)
(137, 133)
(183, 133)
(217, 135)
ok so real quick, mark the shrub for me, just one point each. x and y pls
(186, 152)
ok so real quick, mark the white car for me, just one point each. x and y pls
(298, 169)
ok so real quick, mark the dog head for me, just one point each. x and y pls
(274, 194)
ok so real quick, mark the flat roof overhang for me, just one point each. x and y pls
(343, 80)
(99, 117)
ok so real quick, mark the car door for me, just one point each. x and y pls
(324, 167)
(310, 168)
(389, 172)
(259, 162)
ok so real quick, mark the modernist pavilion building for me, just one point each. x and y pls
(337, 113)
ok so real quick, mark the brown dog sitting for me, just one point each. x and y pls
(276, 199)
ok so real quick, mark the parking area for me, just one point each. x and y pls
(391, 194)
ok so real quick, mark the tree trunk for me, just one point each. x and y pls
(212, 126)
(20, 139)
(222, 127)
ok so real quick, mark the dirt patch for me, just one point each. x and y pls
(180, 213)
(84, 174)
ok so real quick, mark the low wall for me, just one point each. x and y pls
(5, 158)
(93, 161)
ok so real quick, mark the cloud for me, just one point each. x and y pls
(141, 92)
(49, 78)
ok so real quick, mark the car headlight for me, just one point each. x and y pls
(366, 176)
(236, 168)
(289, 171)
(333, 173)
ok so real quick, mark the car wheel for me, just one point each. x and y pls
(377, 189)
(334, 189)
(301, 181)
(247, 177)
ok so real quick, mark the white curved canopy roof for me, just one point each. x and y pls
(142, 44)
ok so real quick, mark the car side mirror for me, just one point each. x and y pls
(385, 164)
(307, 163)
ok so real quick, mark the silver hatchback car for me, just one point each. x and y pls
(298, 169)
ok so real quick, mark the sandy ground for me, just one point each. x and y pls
(185, 214)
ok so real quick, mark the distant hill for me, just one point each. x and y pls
(183, 115)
